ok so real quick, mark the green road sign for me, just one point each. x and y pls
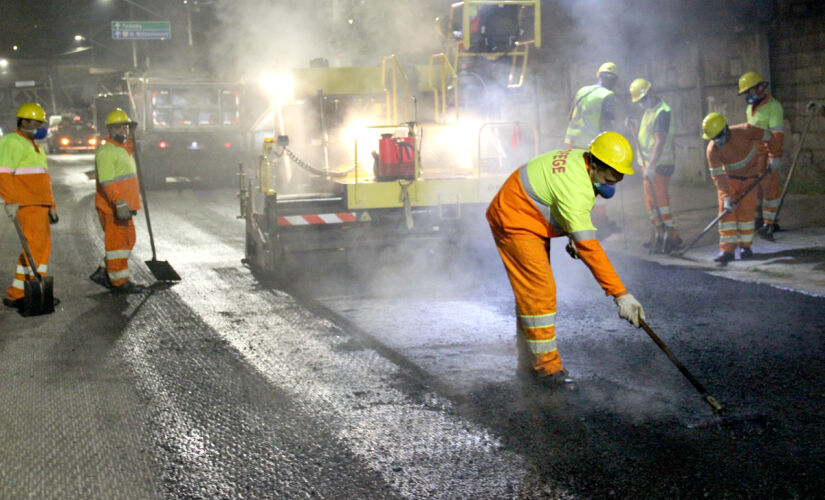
(141, 30)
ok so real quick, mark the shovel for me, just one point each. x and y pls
(38, 291)
(160, 269)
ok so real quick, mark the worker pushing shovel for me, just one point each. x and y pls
(736, 169)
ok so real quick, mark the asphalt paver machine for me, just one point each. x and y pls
(382, 155)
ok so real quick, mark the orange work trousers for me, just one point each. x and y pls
(34, 220)
(527, 261)
(660, 189)
(119, 239)
(736, 228)
(769, 196)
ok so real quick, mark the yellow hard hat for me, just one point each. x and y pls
(31, 111)
(638, 89)
(749, 80)
(712, 125)
(612, 149)
(608, 67)
(117, 116)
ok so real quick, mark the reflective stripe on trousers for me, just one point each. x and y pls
(527, 262)
(34, 220)
(736, 228)
(119, 239)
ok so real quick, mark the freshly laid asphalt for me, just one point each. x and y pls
(368, 379)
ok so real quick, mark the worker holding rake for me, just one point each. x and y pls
(549, 197)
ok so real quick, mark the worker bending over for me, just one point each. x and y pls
(26, 188)
(116, 201)
(551, 196)
(735, 165)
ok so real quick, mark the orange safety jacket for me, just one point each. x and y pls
(116, 177)
(739, 157)
(24, 172)
(553, 197)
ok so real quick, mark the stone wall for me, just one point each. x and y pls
(797, 57)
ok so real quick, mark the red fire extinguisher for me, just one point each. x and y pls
(396, 158)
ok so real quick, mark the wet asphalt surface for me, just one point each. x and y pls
(392, 374)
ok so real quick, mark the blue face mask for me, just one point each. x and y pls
(752, 99)
(604, 190)
(722, 138)
(40, 133)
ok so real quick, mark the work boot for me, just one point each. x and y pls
(101, 277)
(758, 221)
(556, 380)
(766, 232)
(129, 287)
(723, 258)
(16, 303)
(676, 245)
(745, 253)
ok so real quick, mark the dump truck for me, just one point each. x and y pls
(190, 128)
(373, 156)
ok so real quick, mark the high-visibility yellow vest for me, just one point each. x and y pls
(559, 184)
(24, 172)
(647, 135)
(116, 173)
(769, 116)
(585, 121)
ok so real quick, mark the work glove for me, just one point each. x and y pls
(774, 164)
(630, 309)
(11, 209)
(53, 217)
(728, 204)
(572, 250)
(122, 210)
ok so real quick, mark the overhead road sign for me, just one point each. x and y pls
(141, 30)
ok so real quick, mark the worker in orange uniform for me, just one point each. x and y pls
(591, 113)
(765, 112)
(734, 166)
(658, 160)
(552, 196)
(116, 201)
(26, 188)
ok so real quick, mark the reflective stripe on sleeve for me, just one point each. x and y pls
(714, 172)
(118, 178)
(6, 170)
(584, 235)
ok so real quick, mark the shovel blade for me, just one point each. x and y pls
(38, 297)
(162, 270)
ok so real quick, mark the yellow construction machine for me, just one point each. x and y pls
(376, 155)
